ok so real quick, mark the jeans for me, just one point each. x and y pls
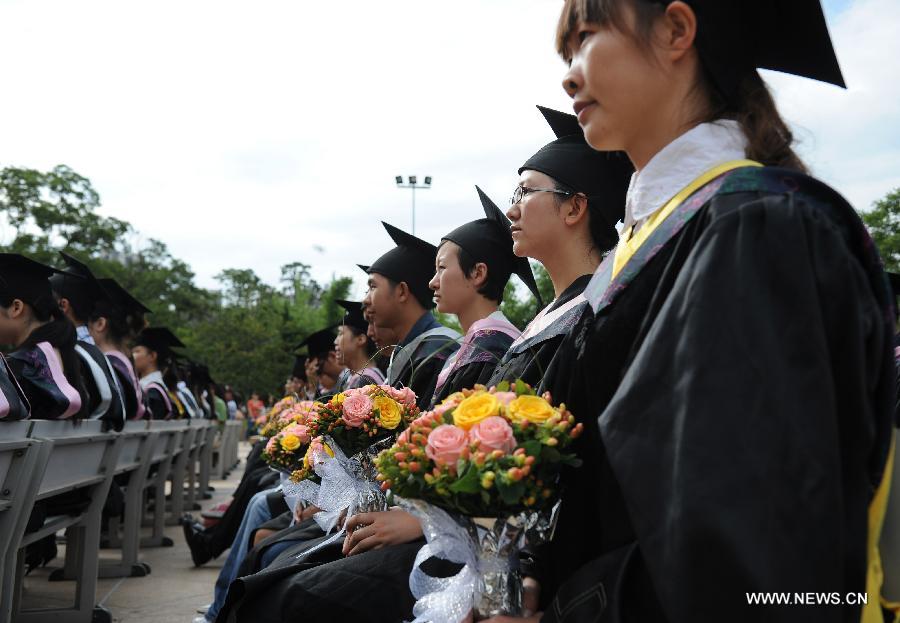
(256, 515)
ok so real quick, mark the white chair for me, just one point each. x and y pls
(80, 456)
(19, 461)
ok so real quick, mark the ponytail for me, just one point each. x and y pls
(769, 139)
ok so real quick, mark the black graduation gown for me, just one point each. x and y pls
(736, 384)
(157, 407)
(479, 365)
(421, 370)
(97, 371)
(529, 358)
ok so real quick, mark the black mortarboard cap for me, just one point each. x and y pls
(122, 298)
(354, 315)
(158, 339)
(736, 37)
(77, 284)
(23, 278)
(601, 175)
(299, 370)
(489, 240)
(319, 342)
(364, 268)
(411, 261)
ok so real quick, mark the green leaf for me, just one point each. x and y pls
(468, 482)
(532, 447)
(503, 386)
(521, 388)
(511, 493)
(448, 416)
(550, 455)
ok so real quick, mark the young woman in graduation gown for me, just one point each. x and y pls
(43, 361)
(116, 320)
(473, 265)
(151, 354)
(355, 350)
(563, 214)
(734, 370)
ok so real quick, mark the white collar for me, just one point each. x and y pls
(679, 163)
(83, 334)
(153, 377)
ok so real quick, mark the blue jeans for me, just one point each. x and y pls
(256, 515)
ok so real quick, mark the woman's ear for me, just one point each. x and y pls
(677, 30)
(478, 275)
(576, 209)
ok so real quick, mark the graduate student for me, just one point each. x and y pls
(735, 372)
(152, 353)
(355, 350)
(43, 360)
(322, 367)
(473, 265)
(399, 300)
(77, 291)
(563, 214)
(115, 321)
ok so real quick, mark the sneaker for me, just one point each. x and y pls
(204, 609)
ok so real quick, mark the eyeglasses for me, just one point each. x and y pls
(520, 192)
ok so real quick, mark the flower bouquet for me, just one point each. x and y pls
(337, 472)
(290, 432)
(354, 420)
(480, 472)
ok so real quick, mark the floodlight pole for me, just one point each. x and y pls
(413, 185)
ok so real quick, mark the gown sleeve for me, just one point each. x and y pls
(748, 433)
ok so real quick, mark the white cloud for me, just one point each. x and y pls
(243, 134)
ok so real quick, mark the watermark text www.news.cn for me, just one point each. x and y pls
(808, 599)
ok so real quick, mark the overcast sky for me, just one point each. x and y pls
(254, 134)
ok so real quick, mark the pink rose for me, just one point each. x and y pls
(301, 431)
(494, 433)
(505, 397)
(406, 396)
(441, 409)
(357, 408)
(270, 445)
(445, 444)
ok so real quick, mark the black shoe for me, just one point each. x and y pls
(197, 543)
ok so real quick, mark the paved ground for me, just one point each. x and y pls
(170, 594)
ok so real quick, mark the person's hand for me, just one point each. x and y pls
(312, 371)
(302, 513)
(367, 531)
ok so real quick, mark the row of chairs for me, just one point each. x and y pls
(41, 460)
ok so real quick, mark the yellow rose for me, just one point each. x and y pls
(532, 408)
(338, 399)
(290, 442)
(388, 412)
(474, 409)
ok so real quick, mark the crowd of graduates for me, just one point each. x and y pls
(721, 325)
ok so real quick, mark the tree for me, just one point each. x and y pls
(883, 222)
(54, 210)
(521, 311)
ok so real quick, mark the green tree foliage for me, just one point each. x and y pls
(883, 222)
(520, 311)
